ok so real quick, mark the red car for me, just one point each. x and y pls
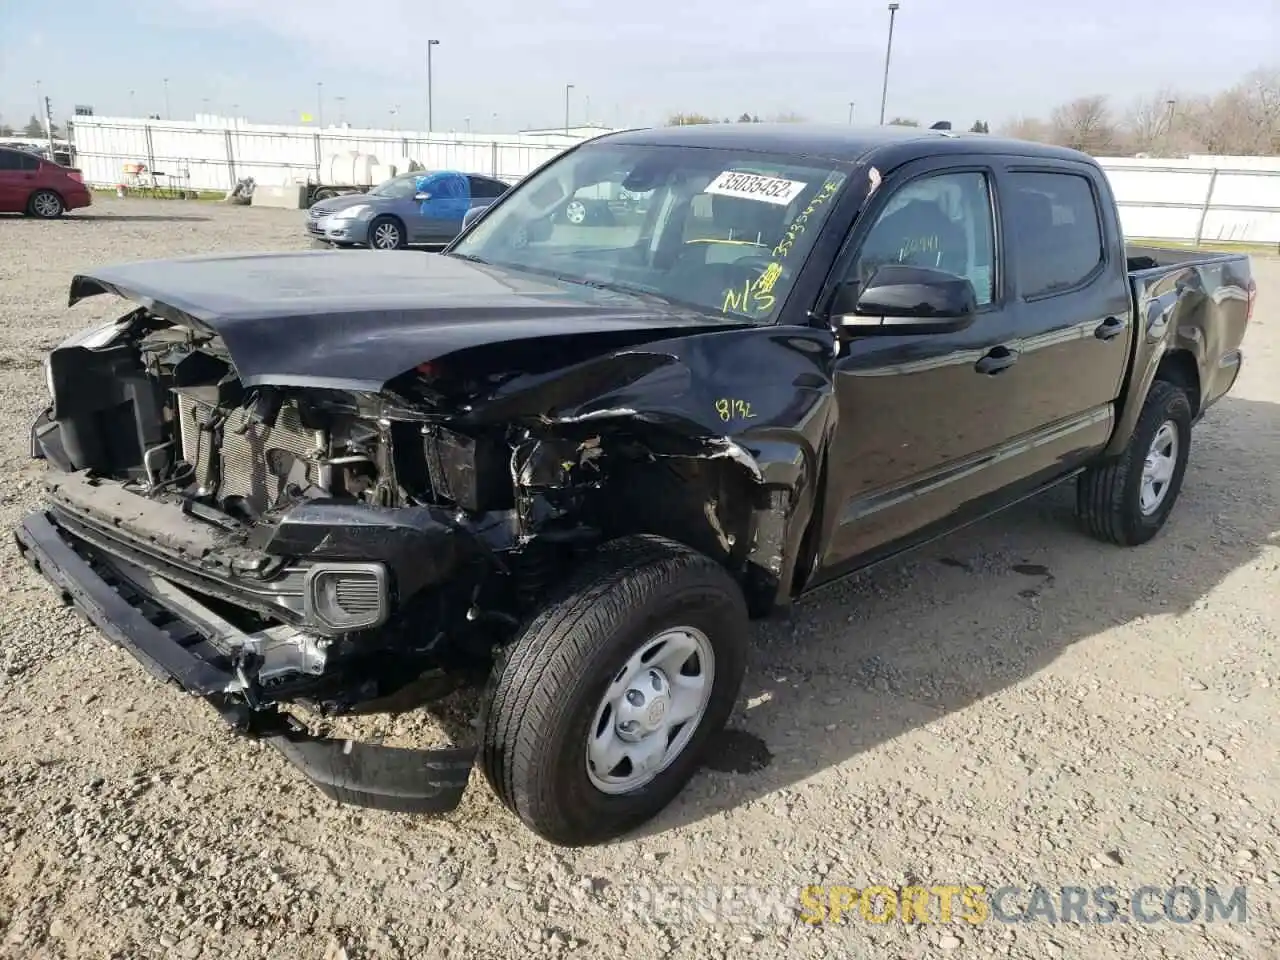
(38, 187)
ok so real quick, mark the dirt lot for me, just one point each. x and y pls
(1016, 705)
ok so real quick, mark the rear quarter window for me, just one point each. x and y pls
(1057, 227)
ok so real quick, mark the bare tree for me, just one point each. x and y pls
(1026, 128)
(1084, 124)
(687, 119)
(1148, 124)
(903, 122)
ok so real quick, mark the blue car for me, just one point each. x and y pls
(412, 208)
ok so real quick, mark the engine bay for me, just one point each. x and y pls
(161, 408)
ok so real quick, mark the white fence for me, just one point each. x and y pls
(212, 153)
(1194, 199)
(1205, 198)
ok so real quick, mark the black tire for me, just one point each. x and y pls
(1108, 496)
(320, 195)
(45, 204)
(388, 224)
(548, 685)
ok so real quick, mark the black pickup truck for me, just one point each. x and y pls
(569, 463)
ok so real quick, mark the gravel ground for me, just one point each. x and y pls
(1016, 704)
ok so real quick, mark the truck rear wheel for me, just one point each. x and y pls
(600, 711)
(1128, 500)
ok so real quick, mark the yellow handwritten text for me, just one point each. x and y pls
(727, 408)
(801, 222)
(754, 296)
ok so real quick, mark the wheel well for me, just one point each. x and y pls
(31, 196)
(1179, 368)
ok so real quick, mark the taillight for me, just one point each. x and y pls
(74, 174)
(1253, 299)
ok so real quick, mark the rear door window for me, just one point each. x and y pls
(485, 189)
(1057, 228)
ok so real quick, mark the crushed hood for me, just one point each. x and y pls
(355, 319)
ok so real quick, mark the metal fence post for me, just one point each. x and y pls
(493, 162)
(151, 150)
(231, 158)
(317, 147)
(1204, 209)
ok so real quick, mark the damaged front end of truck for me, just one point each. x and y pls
(322, 510)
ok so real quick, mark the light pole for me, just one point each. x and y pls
(342, 116)
(567, 88)
(320, 104)
(888, 52)
(168, 115)
(850, 113)
(430, 116)
(133, 109)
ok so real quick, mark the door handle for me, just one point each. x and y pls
(1110, 327)
(996, 360)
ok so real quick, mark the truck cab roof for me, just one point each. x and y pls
(889, 146)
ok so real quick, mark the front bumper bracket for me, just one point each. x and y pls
(361, 774)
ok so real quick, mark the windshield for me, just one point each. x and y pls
(397, 187)
(721, 230)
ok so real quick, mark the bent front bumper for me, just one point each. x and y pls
(175, 646)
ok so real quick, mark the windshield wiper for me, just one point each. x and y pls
(470, 256)
(616, 288)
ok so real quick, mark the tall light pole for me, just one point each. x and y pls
(888, 52)
(168, 115)
(320, 104)
(342, 116)
(430, 116)
(567, 88)
(850, 113)
(133, 109)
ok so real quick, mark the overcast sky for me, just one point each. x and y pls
(630, 64)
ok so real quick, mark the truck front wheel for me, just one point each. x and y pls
(600, 711)
(1128, 500)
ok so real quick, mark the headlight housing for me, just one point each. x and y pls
(352, 213)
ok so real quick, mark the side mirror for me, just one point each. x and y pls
(420, 197)
(471, 216)
(901, 300)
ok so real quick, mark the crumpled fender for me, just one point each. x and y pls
(760, 397)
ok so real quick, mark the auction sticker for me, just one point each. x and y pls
(754, 186)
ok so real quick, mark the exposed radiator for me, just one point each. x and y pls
(254, 464)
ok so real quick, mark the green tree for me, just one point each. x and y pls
(903, 122)
(34, 128)
(980, 126)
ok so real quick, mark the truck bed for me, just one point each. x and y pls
(1142, 258)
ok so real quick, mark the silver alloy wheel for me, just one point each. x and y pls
(45, 204)
(651, 710)
(575, 211)
(386, 236)
(1157, 469)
